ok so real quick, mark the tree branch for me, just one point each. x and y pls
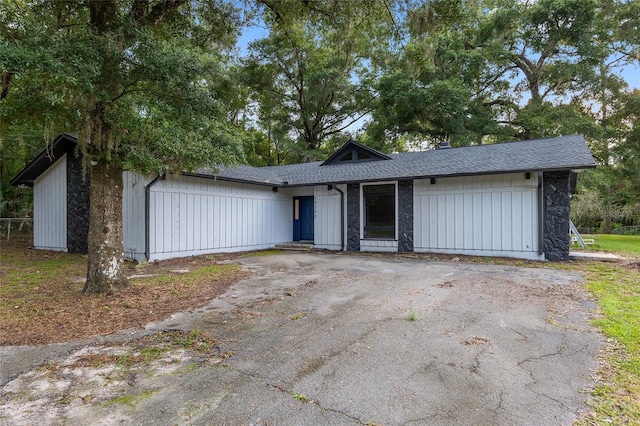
(157, 12)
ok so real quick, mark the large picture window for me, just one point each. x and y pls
(379, 202)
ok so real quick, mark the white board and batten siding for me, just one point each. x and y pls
(50, 208)
(327, 210)
(192, 216)
(494, 215)
(133, 214)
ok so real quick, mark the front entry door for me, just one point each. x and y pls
(302, 218)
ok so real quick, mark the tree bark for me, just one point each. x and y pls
(607, 219)
(105, 271)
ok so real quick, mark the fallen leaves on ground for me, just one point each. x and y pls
(41, 300)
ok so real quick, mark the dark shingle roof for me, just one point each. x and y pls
(561, 153)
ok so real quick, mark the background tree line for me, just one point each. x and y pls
(163, 85)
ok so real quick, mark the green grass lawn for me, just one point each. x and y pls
(617, 394)
(616, 287)
(622, 244)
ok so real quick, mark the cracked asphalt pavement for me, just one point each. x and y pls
(327, 339)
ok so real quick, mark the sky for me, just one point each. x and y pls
(631, 74)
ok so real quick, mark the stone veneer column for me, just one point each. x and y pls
(405, 215)
(353, 217)
(556, 215)
(77, 204)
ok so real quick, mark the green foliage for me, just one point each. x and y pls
(309, 76)
(132, 400)
(148, 93)
(617, 396)
(300, 397)
(412, 316)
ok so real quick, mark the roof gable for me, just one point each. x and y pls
(353, 152)
(52, 153)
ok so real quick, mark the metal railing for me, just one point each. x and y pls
(21, 221)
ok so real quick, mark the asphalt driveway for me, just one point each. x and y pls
(327, 339)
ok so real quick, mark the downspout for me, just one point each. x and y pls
(541, 213)
(341, 215)
(147, 215)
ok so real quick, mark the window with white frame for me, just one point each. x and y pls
(379, 211)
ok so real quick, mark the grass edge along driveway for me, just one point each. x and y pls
(616, 397)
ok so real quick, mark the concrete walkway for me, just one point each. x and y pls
(596, 256)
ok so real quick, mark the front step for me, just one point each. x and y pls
(297, 246)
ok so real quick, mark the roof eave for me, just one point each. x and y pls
(232, 179)
(441, 175)
(49, 156)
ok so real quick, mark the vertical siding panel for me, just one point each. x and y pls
(223, 222)
(487, 231)
(534, 220)
(418, 238)
(496, 221)
(450, 218)
(195, 224)
(231, 207)
(259, 222)
(211, 219)
(156, 220)
(254, 222)
(233, 223)
(459, 223)
(468, 221)
(442, 220)
(175, 223)
(163, 212)
(218, 238)
(237, 218)
(507, 226)
(204, 221)
(516, 220)
(186, 219)
(527, 220)
(477, 219)
(270, 223)
(253, 218)
(432, 201)
(50, 207)
(153, 221)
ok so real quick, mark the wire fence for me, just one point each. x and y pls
(14, 228)
(623, 230)
(627, 230)
(587, 231)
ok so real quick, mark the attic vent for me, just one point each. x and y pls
(444, 145)
(355, 155)
(353, 152)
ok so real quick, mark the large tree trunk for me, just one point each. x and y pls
(106, 263)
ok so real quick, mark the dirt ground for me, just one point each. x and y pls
(53, 309)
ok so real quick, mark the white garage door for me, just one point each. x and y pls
(493, 215)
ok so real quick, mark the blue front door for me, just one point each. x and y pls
(302, 218)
